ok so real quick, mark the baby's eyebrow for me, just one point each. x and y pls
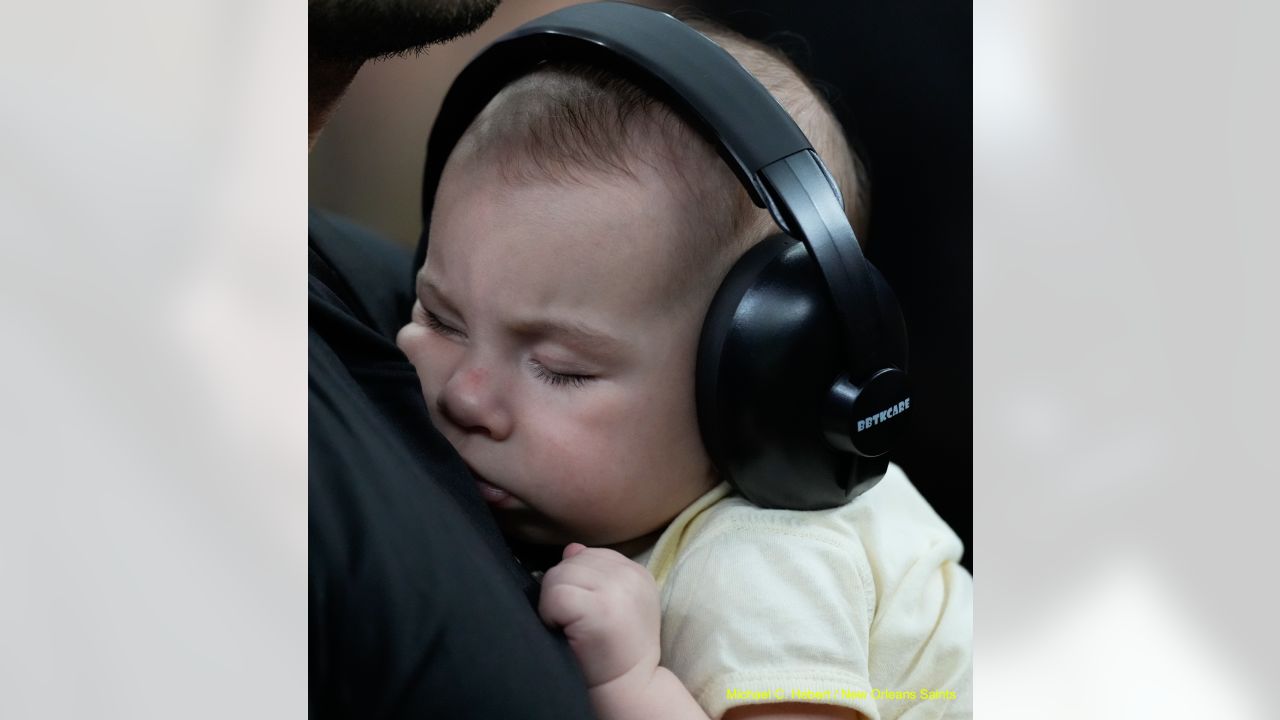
(426, 287)
(574, 333)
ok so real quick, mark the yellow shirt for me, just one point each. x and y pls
(863, 606)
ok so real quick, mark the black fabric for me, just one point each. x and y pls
(417, 607)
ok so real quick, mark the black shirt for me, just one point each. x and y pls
(417, 607)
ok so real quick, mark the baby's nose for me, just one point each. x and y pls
(471, 400)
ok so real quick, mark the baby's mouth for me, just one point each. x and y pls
(491, 493)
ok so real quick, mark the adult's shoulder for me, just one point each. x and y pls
(358, 274)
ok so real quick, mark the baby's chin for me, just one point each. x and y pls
(527, 528)
(635, 546)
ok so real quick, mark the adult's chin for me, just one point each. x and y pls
(368, 29)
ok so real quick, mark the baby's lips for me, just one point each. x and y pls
(491, 493)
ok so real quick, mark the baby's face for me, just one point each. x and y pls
(549, 358)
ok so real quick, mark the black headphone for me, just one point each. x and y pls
(801, 382)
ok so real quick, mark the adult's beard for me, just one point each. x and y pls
(367, 29)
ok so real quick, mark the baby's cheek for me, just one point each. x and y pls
(431, 364)
(422, 347)
(579, 472)
(432, 356)
(566, 458)
(406, 338)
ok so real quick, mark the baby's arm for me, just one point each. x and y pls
(608, 607)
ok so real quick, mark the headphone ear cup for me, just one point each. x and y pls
(891, 321)
(771, 348)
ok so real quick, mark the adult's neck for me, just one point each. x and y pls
(327, 80)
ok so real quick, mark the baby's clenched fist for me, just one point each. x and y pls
(608, 607)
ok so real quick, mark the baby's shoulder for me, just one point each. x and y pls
(888, 530)
(893, 507)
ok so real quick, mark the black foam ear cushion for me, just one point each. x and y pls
(771, 348)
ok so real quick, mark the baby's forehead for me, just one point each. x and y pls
(634, 226)
(640, 199)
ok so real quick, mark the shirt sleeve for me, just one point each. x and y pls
(926, 647)
(770, 612)
(922, 640)
(922, 634)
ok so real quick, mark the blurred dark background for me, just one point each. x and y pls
(899, 75)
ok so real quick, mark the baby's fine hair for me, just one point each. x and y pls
(568, 122)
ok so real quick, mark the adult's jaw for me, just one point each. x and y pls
(343, 34)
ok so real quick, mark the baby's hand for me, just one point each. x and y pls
(608, 607)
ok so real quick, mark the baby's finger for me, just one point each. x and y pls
(606, 561)
(572, 549)
(562, 605)
(576, 572)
